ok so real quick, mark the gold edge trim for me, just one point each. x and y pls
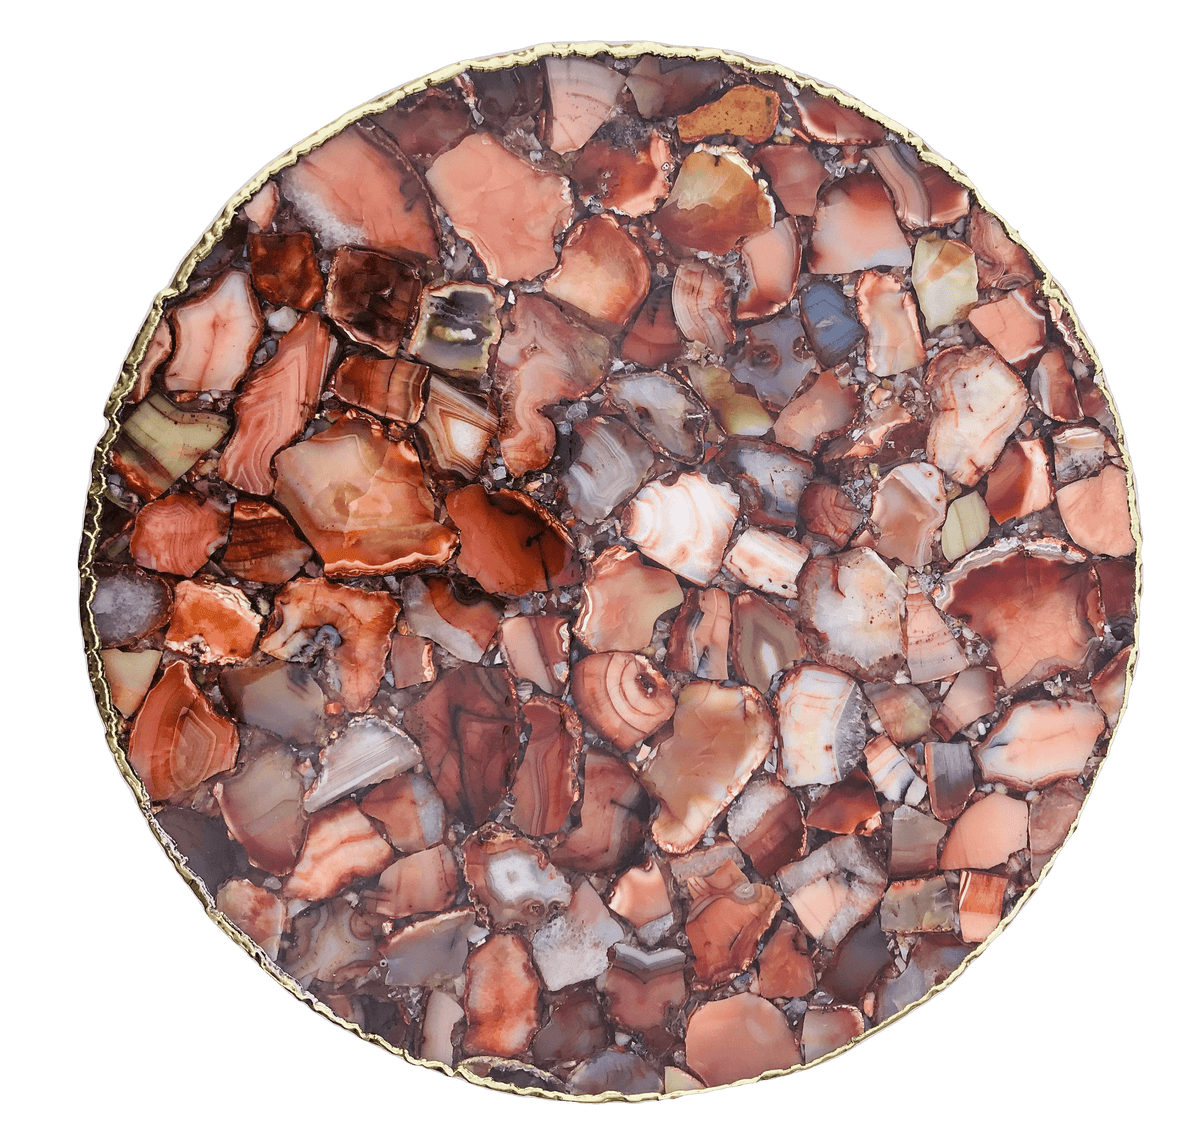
(112, 721)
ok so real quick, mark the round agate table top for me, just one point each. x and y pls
(611, 571)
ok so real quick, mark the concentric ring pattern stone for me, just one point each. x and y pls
(612, 570)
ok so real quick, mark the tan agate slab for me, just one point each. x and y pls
(610, 571)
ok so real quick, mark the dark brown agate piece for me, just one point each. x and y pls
(284, 269)
(466, 727)
(372, 297)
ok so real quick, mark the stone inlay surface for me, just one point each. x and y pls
(615, 573)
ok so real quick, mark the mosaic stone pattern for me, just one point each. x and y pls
(616, 574)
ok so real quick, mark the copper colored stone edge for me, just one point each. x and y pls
(1051, 288)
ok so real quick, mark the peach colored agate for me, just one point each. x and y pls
(616, 574)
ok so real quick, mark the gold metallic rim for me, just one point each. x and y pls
(112, 721)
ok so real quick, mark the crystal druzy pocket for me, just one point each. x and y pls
(613, 572)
